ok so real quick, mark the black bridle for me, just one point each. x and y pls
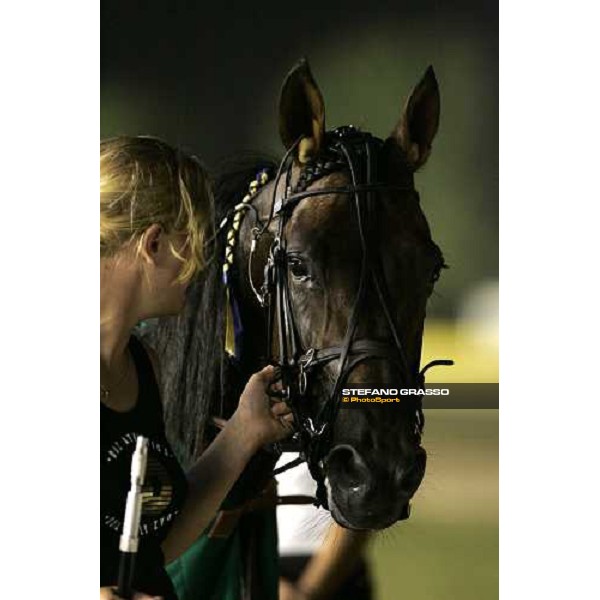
(357, 152)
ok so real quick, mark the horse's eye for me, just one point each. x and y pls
(298, 268)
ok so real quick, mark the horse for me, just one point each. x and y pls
(322, 264)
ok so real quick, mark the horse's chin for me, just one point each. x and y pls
(366, 520)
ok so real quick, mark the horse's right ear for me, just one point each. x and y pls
(301, 112)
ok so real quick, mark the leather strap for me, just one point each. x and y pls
(226, 520)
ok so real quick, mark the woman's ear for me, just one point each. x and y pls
(151, 242)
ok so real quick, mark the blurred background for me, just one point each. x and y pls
(206, 77)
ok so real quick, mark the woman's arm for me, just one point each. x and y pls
(254, 423)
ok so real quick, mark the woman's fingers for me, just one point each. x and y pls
(289, 418)
(282, 412)
(287, 422)
(267, 379)
(267, 373)
(279, 409)
(263, 419)
(276, 381)
(275, 387)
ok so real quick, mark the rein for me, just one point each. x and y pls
(354, 151)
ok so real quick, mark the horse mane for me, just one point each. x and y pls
(190, 346)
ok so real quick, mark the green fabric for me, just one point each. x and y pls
(212, 569)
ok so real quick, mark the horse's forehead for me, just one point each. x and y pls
(333, 213)
(319, 213)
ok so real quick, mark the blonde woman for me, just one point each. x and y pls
(155, 213)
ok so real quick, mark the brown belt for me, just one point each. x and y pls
(226, 520)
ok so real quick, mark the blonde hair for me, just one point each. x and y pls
(144, 181)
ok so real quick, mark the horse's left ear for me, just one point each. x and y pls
(419, 121)
(301, 112)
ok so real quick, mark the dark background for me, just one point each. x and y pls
(206, 76)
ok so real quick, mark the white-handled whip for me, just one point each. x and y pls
(128, 544)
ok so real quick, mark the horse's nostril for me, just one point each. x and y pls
(408, 478)
(347, 469)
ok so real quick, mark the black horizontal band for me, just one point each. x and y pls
(286, 204)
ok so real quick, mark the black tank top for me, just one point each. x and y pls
(164, 486)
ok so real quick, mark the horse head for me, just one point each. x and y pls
(359, 265)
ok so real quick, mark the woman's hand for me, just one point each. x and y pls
(110, 593)
(260, 419)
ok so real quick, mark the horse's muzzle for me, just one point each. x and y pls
(365, 496)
